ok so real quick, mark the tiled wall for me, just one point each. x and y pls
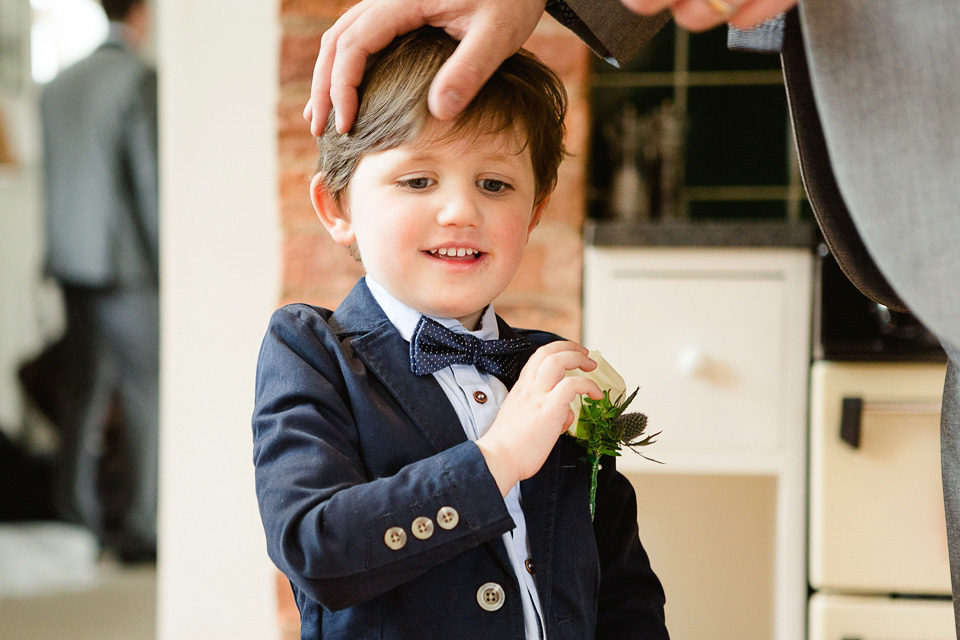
(736, 158)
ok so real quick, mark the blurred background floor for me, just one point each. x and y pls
(54, 587)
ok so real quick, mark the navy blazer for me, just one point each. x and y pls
(348, 443)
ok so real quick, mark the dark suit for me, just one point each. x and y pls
(99, 122)
(348, 443)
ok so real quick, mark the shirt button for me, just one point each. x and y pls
(422, 528)
(480, 396)
(528, 563)
(448, 518)
(395, 538)
(490, 596)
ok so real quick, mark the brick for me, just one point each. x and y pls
(560, 316)
(330, 9)
(298, 54)
(287, 613)
(296, 211)
(561, 51)
(311, 260)
(567, 204)
(578, 126)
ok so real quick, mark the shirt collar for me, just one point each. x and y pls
(405, 318)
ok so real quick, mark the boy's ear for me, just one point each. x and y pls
(538, 210)
(336, 222)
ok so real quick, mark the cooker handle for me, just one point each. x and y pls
(851, 412)
(852, 408)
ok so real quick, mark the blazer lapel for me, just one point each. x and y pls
(379, 346)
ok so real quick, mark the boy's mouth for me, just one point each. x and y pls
(454, 253)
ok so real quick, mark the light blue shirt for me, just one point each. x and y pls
(460, 382)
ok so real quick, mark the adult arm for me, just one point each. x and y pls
(490, 31)
(140, 152)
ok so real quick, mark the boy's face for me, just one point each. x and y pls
(442, 225)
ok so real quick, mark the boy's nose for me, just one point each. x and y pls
(459, 209)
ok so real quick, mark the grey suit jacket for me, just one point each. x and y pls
(879, 132)
(99, 122)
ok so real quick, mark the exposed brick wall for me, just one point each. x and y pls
(546, 293)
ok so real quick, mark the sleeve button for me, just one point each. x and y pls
(395, 538)
(422, 528)
(448, 518)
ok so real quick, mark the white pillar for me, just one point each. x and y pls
(220, 271)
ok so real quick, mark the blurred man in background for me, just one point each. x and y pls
(99, 122)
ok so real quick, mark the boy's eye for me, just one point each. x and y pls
(494, 186)
(415, 183)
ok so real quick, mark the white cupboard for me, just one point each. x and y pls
(718, 340)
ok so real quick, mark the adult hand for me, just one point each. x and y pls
(489, 32)
(536, 412)
(698, 15)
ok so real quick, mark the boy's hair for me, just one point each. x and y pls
(523, 96)
(117, 10)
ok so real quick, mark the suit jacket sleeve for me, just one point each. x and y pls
(631, 597)
(606, 26)
(140, 150)
(324, 518)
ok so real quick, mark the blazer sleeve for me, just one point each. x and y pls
(324, 518)
(613, 32)
(140, 151)
(631, 597)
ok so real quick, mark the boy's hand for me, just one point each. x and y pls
(535, 413)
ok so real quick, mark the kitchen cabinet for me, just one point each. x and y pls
(718, 340)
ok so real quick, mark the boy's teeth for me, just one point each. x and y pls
(459, 252)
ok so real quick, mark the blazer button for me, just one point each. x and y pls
(490, 596)
(422, 528)
(395, 538)
(480, 397)
(448, 518)
(528, 563)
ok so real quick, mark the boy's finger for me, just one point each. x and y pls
(569, 388)
(535, 361)
(555, 367)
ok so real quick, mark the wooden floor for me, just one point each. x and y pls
(121, 606)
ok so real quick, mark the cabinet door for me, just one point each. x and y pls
(716, 341)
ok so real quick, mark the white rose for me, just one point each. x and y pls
(606, 378)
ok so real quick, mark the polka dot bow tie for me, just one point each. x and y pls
(434, 347)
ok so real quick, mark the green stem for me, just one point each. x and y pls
(594, 461)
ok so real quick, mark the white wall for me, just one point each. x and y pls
(220, 255)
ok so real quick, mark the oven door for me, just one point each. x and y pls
(846, 617)
(876, 504)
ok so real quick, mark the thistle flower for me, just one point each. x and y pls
(601, 426)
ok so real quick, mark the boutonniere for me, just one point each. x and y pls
(601, 426)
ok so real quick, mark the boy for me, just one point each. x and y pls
(403, 492)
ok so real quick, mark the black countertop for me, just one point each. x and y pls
(799, 235)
